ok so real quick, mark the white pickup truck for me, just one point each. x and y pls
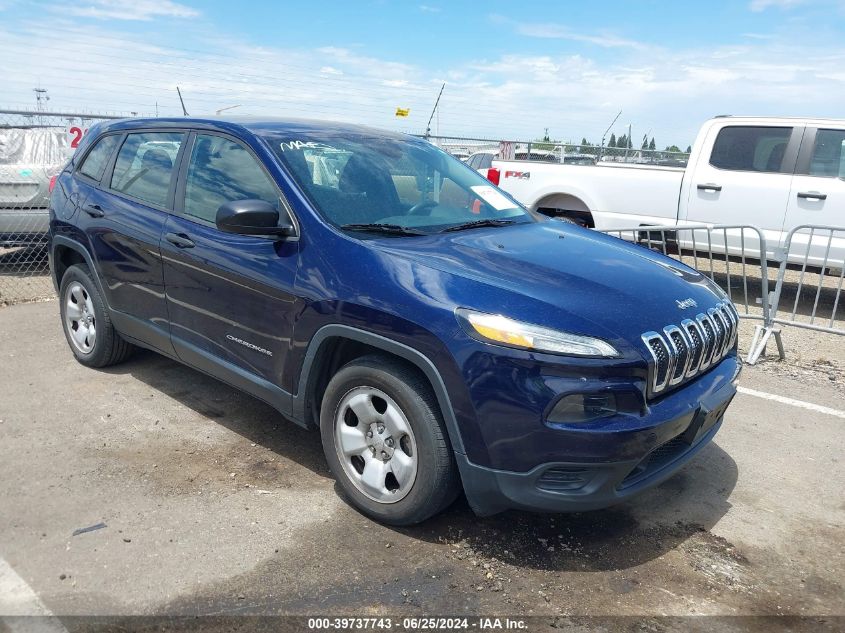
(772, 173)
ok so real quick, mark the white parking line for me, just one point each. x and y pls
(18, 599)
(792, 402)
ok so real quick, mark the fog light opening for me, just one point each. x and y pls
(578, 408)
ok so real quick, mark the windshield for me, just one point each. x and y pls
(356, 179)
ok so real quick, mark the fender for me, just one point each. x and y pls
(61, 240)
(413, 356)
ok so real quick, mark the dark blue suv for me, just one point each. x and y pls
(441, 337)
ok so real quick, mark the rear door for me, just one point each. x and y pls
(746, 179)
(818, 194)
(230, 297)
(124, 217)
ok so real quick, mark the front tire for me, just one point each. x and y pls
(386, 443)
(85, 320)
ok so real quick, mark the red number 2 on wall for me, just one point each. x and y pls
(76, 134)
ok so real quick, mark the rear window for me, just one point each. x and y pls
(144, 165)
(750, 148)
(95, 162)
(34, 146)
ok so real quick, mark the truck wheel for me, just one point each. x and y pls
(88, 329)
(385, 441)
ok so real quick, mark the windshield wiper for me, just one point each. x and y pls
(475, 223)
(391, 229)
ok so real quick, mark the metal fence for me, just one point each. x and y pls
(33, 148)
(797, 282)
(809, 285)
(567, 153)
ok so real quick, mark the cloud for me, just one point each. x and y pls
(98, 67)
(762, 5)
(429, 9)
(128, 9)
(548, 30)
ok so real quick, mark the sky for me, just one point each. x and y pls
(511, 69)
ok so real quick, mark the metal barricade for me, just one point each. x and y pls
(735, 257)
(809, 284)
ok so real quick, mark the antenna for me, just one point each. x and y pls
(436, 103)
(182, 101)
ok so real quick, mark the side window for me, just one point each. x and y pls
(221, 171)
(473, 161)
(746, 148)
(95, 163)
(828, 157)
(485, 161)
(144, 165)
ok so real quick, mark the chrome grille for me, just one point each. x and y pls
(680, 352)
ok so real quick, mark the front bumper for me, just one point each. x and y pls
(601, 481)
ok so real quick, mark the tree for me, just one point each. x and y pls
(651, 145)
(689, 149)
(672, 148)
(645, 142)
(622, 141)
(584, 140)
(612, 142)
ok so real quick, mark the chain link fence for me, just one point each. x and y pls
(34, 146)
(567, 153)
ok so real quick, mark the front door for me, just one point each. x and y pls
(745, 181)
(230, 297)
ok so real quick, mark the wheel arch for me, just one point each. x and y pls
(335, 345)
(569, 204)
(64, 253)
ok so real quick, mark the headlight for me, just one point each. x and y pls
(496, 328)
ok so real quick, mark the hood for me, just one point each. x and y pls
(603, 286)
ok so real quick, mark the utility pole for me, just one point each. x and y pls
(628, 143)
(436, 103)
(40, 95)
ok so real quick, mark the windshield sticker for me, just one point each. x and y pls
(492, 197)
(300, 145)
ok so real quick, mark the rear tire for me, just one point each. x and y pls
(86, 323)
(386, 443)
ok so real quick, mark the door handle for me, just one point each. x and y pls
(180, 240)
(94, 210)
(812, 195)
(709, 186)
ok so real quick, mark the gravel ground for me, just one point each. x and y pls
(215, 505)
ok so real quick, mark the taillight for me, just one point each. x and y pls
(493, 175)
(53, 182)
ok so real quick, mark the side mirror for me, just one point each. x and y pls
(251, 217)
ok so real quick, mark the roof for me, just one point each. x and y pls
(255, 124)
